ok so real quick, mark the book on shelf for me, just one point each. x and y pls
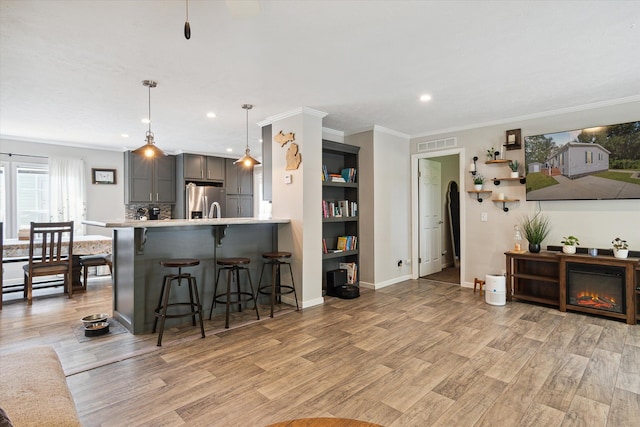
(336, 177)
(347, 243)
(325, 174)
(349, 174)
(338, 209)
(324, 246)
(352, 271)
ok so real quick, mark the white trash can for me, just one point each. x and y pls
(495, 289)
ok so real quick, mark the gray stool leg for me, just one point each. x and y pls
(165, 303)
(293, 285)
(194, 290)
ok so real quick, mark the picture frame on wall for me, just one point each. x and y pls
(514, 139)
(103, 176)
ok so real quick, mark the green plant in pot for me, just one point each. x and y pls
(478, 181)
(620, 248)
(514, 165)
(536, 229)
(570, 243)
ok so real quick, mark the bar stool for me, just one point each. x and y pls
(163, 302)
(275, 289)
(233, 267)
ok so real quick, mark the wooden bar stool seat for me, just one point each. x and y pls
(194, 298)
(276, 289)
(233, 267)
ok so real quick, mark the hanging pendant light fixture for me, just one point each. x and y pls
(187, 27)
(247, 160)
(149, 149)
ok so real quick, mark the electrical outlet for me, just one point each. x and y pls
(484, 217)
(408, 261)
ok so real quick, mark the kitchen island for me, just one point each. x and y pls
(139, 246)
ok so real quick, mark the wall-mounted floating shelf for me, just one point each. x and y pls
(477, 193)
(522, 179)
(504, 203)
(488, 162)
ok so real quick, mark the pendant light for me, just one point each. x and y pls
(149, 149)
(247, 160)
(187, 27)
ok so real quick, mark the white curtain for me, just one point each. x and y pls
(68, 192)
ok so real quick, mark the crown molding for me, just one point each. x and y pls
(560, 111)
(292, 113)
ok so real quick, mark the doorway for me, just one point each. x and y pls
(428, 209)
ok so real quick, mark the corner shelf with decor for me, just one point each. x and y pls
(340, 222)
(478, 190)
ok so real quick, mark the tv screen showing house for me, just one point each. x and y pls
(597, 163)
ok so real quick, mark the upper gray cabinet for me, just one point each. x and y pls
(203, 168)
(239, 179)
(149, 180)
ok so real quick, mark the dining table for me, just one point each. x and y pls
(17, 250)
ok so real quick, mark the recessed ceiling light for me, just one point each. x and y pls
(229, 150)
(425, 97)
(145, 121)
(211, 115)
(124, 135)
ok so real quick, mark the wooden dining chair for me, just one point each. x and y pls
(50, 253)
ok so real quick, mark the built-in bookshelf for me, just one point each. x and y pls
(340, 228)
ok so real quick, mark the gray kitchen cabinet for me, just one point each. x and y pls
(239, 206)
(238, 179)
(203, 168)
(149, 180)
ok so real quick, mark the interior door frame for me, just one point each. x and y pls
(415, 206)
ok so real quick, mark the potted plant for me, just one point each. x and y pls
(620, 248)
(570, 243)
(535, 229)
(478, 181)
(514, 165)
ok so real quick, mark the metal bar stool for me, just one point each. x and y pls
(275, 289)
(233, 266)
(163, 302)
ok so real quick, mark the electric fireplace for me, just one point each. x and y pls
(597, 287)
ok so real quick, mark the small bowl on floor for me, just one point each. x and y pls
(94, 318)
(96, 329)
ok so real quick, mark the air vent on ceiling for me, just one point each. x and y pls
(437, 144)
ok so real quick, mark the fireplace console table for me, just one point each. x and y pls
(542, 278)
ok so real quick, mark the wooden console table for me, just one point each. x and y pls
(542, 278)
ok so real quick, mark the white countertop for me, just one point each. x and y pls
(184, 222)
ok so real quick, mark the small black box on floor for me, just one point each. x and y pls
(335, 279)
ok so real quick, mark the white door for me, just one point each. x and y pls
(430, 218)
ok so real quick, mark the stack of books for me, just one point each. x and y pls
(347, 243)
(352, 271)
(349, 174)
(346, 175)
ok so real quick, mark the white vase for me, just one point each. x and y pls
(515, 175)
(568, 249)
(478, 187)
(620, 253)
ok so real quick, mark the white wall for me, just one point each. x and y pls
(300, 200)
(104, 202)
(384, 206)
(596, 223)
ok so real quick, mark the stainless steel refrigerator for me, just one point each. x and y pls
(200, 198)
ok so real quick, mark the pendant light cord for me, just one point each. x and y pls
(149, 132)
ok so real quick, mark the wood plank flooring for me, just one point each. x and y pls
(419, 353)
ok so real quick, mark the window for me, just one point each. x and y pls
(588, 157)
(25, 194)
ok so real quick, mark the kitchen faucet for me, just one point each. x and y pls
(216, 205)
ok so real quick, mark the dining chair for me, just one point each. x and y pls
(50, 253)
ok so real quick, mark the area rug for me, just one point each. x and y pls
(115, 328)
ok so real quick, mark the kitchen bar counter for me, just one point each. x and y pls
(185, 222)
(139, 246)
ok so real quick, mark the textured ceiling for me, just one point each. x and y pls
(71, 71)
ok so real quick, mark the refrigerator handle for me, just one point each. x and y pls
(205, 209)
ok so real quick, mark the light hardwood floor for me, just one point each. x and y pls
(418, 353)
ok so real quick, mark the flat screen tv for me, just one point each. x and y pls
(597, 163)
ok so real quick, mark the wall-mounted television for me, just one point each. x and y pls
(597, 163)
